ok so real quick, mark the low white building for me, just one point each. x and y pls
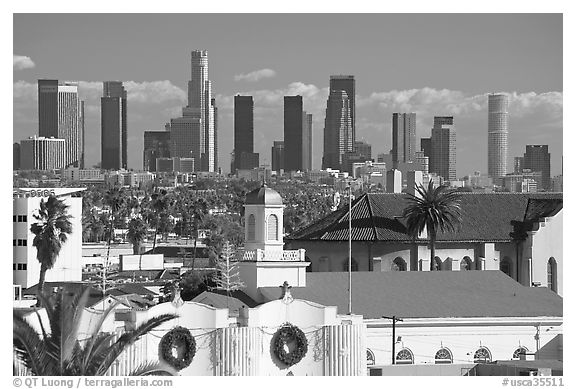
(26, 268)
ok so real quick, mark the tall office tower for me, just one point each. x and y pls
(156, 145)
(215, 108)
(403, 137)
(338, 136)
(293, 133)
(497, 135)
(518, 164)
(306, 141)
(16, 156)
(364, 150)
(443, 161)
(422, 161)
(278, 156)
(186, 137)
(59, 116)
(202, 107)
(83, 136)
(40, 153)
(114, 126)
(537, 159)
(348, 84)
(244, 156)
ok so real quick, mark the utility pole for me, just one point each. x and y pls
(350, 249)
(394, 320)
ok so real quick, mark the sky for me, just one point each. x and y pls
(431, 64)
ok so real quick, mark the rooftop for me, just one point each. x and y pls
(412, 294)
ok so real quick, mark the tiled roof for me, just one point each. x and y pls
(132, 288)
(485, 217)
(441, 294)
(70, 286)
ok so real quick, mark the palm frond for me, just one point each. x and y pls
(32, 349)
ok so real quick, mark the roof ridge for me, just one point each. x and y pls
(371, 213)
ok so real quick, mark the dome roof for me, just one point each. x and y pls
(263, 196)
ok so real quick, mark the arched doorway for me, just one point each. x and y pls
(399, 264)
(552, 274)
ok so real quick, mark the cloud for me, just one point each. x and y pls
(256, 75)
(23, 62)
(154, 92)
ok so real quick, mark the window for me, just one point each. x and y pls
(14, 218)
(22, 242)
(25, 218)
(404, 357)
(354, 265)
(13, 266)
(437, 264)
(370, 360)
(520, 352)
(552, 275)
(251, 227)
(443, 356)
(482, 355)
(466, 264)
(506, 266)
(14, 242)
(399, 264)
(272, 227)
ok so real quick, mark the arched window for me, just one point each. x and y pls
(519, 352)
(552, 275)
(404, 357)
(482, 355)
(443, 356)
(399, 264)
(354, 265)
(466, 263)
(437, 264)
(370, 360)
(272, 227)
(251, 227)
(506, 266)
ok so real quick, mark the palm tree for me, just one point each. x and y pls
(114, 199)
(64, 350)
(137, 230)
(436, 209)
(50, 232)
(160, 204)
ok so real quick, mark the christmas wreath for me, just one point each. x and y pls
(286, 336)
(178, 347)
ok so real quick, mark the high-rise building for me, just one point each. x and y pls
(16, 156)
(338, 135)
(422, 161)
(278, 156)
(40, 153)
(363, 149)
(348, 84)
(244, 156)
(518, 164)
(114, 126)
(403, 137)
(156, 145)
(537, 159)
(293, 129)
(186, 137)
(215, 108)
(82, 136)
(497, 135)
(443, 161)
(59, 116)
(306, 141)
(202, 106)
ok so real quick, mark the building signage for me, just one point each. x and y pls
(34, 193)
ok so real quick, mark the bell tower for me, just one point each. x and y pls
(264, 262)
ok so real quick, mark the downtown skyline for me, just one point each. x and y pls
(452, 77)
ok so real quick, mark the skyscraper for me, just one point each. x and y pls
(497, 135)
(186, 137)
(338, 136)
(403, 137)
(537, 159)
(293, 130)
(59, 116)
(347, 84)
(244, 156)
(443, 161)
(114, 126)
(202, 106)
(40, 153)
(306, 141)
(278, 156)
(156, 145)
(82, 136)
(215, 108)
